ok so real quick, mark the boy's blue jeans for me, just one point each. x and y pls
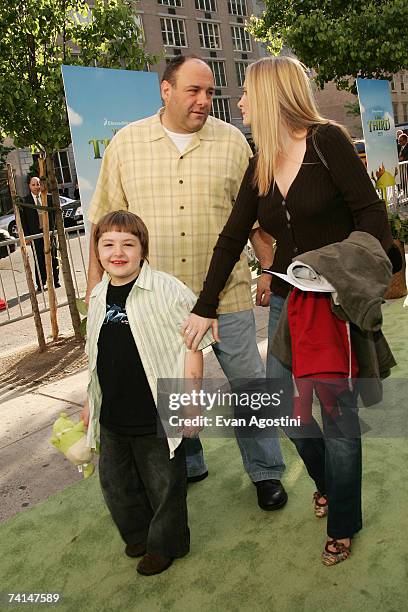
(239, 358)
(146, 491)
(333, 460)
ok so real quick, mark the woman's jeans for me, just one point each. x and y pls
(332, 457)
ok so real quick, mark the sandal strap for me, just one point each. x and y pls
(339, 546)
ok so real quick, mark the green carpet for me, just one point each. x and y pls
(241, 558)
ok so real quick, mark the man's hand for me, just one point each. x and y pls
(84, 416)
(194, 328)
(263, 289)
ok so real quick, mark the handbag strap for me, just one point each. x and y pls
(318, 151)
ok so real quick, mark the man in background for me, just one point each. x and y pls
(32, 222)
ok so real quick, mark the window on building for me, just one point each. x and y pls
(392, 84)
(173, 32)
(209, 34)
(139, 22)
(240, 39)
(206, 5)
(6, 203)
(395, 109)
(218, 69)
(402, 83)
(241, 67)
(170, 2)
(405, 111)
(221, 109)
(237, 7)
(62, 168)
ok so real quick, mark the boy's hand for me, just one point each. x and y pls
(84, 416)
(194, 328)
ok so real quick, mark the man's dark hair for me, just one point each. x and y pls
(174, 66)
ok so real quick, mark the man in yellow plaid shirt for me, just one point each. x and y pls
(180, 170)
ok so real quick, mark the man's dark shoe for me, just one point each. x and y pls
(57, 285)
(271, 494)
(38, 289)
(153, 564)
(197, 478)
(135, 550)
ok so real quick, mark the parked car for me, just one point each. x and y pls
(4, 251)
(71, 212)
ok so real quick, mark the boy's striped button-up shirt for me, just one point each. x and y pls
(156, 307)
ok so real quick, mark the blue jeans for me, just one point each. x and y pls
(239, 358)
(332, 459)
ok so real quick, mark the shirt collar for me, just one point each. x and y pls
(157, 131)
(145, 278)
(143, 281)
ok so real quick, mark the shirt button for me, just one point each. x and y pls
(181, 181)
(182, 234)
(181, 207)
(181, 157)
(183, 260)
(283, 202)
(295, 250)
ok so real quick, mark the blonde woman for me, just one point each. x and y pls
(307, 187)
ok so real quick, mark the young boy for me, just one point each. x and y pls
(133, 339)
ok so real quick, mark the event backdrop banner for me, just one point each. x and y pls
(100, 102)
(377, 117)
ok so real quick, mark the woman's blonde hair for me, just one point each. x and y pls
(279, 93)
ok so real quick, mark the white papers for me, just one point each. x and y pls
(303, 277)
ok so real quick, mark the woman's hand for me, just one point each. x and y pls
(263, 289)
(194, 328)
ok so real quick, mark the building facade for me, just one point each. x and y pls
(399, 93)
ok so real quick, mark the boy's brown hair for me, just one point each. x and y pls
(123, 221)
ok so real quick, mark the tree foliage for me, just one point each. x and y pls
(36, 37)
(339, 39)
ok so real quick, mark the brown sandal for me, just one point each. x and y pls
(341, 554)
(320, 508)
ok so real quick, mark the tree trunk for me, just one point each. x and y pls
(66, 268)
(23, 247)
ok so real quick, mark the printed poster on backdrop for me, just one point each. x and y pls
(377, 117)
(100, 102)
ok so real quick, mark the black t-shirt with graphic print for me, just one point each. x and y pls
(127, 403)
